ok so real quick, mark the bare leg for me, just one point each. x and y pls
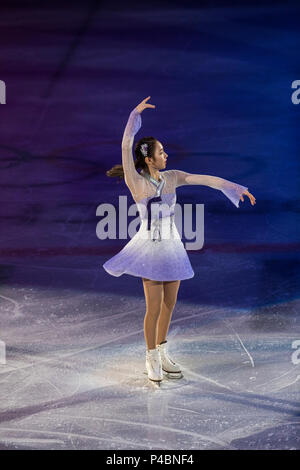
(154, 296)
(170, 291)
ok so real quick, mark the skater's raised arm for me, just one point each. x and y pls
(131, 176)
(232, 190)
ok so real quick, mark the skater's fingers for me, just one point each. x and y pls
(143, 105)
(251, 197)
(148, 105)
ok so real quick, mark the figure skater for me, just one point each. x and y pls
(156, 253)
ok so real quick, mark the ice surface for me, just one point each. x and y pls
(75, 378)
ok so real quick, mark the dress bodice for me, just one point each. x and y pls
(164, 208)
(157, 207)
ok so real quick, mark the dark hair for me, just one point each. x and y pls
(117, 170)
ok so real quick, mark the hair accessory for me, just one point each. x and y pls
(144, 149)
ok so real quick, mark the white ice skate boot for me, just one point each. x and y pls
(153, 365)
(167, 364)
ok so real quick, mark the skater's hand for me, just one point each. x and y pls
(250, 196)
(143, 105)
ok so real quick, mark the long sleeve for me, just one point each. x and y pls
(132, 178)
(231, 190)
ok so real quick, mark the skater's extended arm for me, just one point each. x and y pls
(232, 190)
(132, 178)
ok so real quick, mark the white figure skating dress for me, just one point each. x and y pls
(156, 251)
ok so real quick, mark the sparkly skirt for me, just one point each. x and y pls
(153, 254)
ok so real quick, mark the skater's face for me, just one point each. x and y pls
(159, 162)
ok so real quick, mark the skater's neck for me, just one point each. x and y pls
(154, 174)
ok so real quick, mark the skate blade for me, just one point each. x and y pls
(168, 375)
(154, 381)
(173, 375)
